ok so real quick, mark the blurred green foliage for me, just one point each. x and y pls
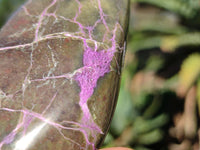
(160, 87)
(7, 7)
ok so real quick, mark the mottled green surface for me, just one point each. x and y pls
(42, 51)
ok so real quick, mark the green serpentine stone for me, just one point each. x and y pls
(60, 66)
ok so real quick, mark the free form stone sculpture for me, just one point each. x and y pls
(60, 63)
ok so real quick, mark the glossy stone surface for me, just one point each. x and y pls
(60, 65)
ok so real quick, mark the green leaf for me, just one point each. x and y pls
(151, 137)
(190, 70)
(184, 8)
(142, 126)
(7, 7)
(170, 43)
(124, 112)
(109, 138)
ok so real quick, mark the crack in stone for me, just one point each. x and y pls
(60, 35)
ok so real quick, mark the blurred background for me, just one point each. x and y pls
(159, 101)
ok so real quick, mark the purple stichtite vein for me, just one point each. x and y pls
(96, 63)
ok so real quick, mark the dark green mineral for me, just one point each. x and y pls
(60, 65)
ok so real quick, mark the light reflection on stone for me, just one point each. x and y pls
(25, 142)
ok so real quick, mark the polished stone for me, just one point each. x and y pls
(60, 66)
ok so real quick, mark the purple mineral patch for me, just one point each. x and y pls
(96, 64)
